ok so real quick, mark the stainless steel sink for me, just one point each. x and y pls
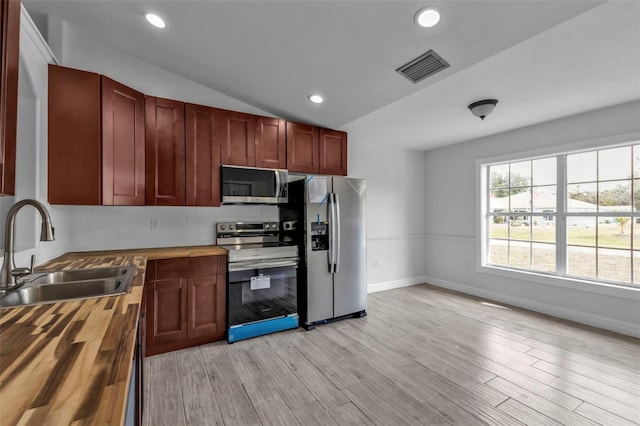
(56, 277)
(71, 284)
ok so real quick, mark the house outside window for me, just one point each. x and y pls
(570, 215)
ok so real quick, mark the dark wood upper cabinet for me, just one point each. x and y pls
(271, 143)
(123, 142)
(203, 155)
(9, 61)
(96, 140)
(165, 152)
(315, 150)
(302, 148)
(333, 152)
(75, 140)
(237, 139)
(112, 145)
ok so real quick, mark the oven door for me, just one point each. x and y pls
(260, 290)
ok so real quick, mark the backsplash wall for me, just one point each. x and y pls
(106, 228)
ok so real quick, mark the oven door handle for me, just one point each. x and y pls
(261, 264)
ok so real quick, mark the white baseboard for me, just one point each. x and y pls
(388, 285)
(598, 321)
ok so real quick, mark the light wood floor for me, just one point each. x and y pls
(422, 356)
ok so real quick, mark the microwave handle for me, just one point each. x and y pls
(277, 184)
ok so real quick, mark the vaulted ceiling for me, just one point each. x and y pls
(540, 59)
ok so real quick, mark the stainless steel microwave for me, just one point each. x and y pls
(252, 185)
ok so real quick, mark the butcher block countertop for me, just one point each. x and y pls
(70, 362)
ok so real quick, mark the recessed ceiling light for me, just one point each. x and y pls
(427, 17)
(316, 99)
(155, 20)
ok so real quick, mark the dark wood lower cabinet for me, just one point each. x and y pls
(185, 302)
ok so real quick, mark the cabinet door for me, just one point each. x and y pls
(122, 144)
(237, 139)
(165, 152)
(203, 155)
(271, 145)
(302, 148)
(333, 152)
(9, 60)
(205, 298)
(74, 142)
(166, 312)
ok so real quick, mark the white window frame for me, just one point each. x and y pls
(629, 290)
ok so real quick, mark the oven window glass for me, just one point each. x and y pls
(248, 182)
(272, 293)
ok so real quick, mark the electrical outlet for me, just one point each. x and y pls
(154, 224)
(375, 263)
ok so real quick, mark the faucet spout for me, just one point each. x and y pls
(7, 281)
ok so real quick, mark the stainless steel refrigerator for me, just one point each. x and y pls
(326, 218)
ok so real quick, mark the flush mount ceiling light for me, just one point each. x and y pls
(427, 17)
(316, 99)
(483, 108)
(155, 20)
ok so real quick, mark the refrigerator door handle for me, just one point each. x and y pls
(331, 233)
(337, 240)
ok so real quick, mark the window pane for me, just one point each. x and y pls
(614, 163)
(614, 265)
(498, 252)
(636, 195)
(544, 171)
(520, 200)
(581, 231)
(499, 200)
(614, 232)
(520, 174)
(520, 254)
(582, 167)
(581, 261)
(499, 176)
(543, 257)
(635, 226)
(582, 198)
(636, 161)
(636, 266)
(499, 227)
(615, 196)
(544, 198)
(543, 230)
(519, 228)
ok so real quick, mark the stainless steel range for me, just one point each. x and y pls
(262, 280)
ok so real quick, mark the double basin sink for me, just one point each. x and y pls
(72, 284)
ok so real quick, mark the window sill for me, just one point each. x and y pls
(607, 289)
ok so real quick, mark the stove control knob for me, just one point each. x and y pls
(222, 227)
(274, 225)
(231, 227)
(265, 226)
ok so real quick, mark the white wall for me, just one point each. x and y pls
(450, 221)
(395, 208)
(31, 154)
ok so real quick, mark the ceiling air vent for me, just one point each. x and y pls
(423, 66)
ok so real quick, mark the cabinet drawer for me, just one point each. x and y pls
(187, 267)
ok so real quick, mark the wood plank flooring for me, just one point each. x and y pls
(422, 356)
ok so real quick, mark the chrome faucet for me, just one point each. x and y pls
(9, 273)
